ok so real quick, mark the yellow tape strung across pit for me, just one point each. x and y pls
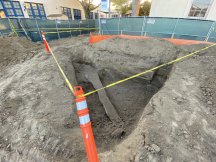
(131, 77)
(67, 29)
(62, 32)
(61, 70)
(59, 32)
(150, 70)
(12, 27)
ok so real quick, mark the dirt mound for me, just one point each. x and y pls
(37, 123)
(178, 123)
(15, 50)
(126, 56)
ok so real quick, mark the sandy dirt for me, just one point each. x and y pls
(16, 50)
(168, 115)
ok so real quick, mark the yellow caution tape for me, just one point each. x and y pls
(12, 27)
(66, 28)
(58, 32)
(61, 70)
(61, 32)
(72, 29)
(129, 78)
(150, 70)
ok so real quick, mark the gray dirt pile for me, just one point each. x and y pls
(126, 57)
(168, 115)
(113, 64)
(178, 124)
(15, 50)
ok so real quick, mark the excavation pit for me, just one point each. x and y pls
(128, 99)
(45, 114)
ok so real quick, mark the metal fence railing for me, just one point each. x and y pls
(192, 29)
(54, 29)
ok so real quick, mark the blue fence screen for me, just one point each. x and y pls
(192, 29)
(54, 29)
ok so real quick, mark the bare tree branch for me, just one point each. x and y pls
(88, 6)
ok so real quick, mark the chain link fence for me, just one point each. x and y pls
(54, 29)
(192, 29)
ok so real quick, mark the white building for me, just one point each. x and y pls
(42, 9)
(200, 9)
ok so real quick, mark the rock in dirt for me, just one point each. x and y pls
(117, 133)
(155, 148)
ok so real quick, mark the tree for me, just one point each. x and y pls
(145, 8)
(88, 6)
(136, 8)
(122, 6)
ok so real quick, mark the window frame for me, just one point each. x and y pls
(66, 13)
(199, 17)
(79, 17)
(13, 8)
(91, 15)
(1, 6)
(36, 13)
(96, 15)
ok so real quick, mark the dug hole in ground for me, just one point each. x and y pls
(168, 115)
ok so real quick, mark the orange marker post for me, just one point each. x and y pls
(85, 124)
(45, 42)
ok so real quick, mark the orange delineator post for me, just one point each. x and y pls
(45, 42)
(85, 124)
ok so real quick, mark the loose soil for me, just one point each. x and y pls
(167, 115)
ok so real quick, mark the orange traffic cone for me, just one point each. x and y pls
(45, 43)
(85, 124)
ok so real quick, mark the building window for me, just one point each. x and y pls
(12, 8)
(91, 15)
(67, 12)
(96, 16)
(35, 10)
(1, 7)
(77, 14)
(114, 16)
(2, 14)
(199, 8)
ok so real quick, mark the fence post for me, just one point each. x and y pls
(70, 27)
(88, 27)
(119, 25)
(39, 32)
(57, 28)
(85, 125)
(143, 26)
(173, 33)
(99, 20)
(210, 31)
(79, 27)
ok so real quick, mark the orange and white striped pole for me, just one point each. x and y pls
(85, 124)
(45, 42)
